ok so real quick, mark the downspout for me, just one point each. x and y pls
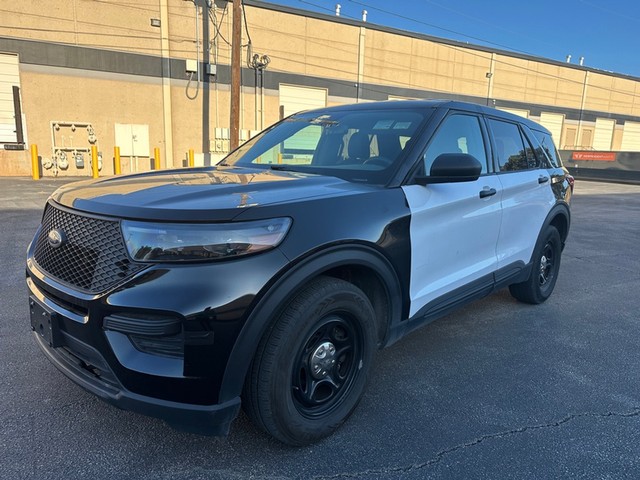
(361, 39)
(167, 115)
(582, 104)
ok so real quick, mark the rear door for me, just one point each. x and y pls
(454, 228)
(527, 197)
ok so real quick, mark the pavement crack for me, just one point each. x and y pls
(472, 443)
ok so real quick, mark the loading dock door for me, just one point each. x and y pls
(515, 111)
(553, 122)
(631, 137)
(9, 77)
(604, 134)
(295, 99)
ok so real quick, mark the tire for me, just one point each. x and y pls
(311, 367)
(544, 272)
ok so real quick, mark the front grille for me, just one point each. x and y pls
(92, 259)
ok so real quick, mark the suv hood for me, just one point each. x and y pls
(205, 194)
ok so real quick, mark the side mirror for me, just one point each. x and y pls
(452, 168)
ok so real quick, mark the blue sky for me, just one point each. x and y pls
(605, 32)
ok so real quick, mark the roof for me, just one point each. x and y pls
(418, 104)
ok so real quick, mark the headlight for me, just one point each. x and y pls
(177, 242)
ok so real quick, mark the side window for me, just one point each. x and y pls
(546, 144)
(511, 152)
(458, 134)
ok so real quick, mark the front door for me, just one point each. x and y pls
(454, 228)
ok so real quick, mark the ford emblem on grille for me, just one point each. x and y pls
(56, 238)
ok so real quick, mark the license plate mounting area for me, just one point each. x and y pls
(45, 322)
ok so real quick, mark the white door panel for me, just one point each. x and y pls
(525, 205)
(453, 236)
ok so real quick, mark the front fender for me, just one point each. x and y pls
(288, 284)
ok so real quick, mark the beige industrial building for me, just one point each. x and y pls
(156, 74)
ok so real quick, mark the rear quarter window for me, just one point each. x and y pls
(548, 148)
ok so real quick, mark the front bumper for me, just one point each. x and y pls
(212, 302)
(201, 419)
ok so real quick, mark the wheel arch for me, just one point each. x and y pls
(353, 263)
(560, 218)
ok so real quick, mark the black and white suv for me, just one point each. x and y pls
(273, 277)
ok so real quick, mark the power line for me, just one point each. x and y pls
(438, 27)
(84, 22)
(133, 6)
(217, 26)
(493, 25)
(246, 26)
(624, 15)
(322, 7)
(465, 50)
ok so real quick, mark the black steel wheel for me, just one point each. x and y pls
(544, 272)
(311, 368)
(326, 365)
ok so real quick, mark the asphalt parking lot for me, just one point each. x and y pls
(496, 390)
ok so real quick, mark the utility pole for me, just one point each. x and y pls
(236, 52)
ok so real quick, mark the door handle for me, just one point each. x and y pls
(487, 192)
(543, 179)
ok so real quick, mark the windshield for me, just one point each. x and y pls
(364, 146)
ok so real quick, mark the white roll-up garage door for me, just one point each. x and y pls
(515, 111)
(553, 122)
(295, 99)
(9, 77)
(631, 137)
(604, 134)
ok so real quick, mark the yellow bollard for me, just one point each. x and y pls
(156, 158)
(117, 166)
(191, 161)
(35, 163)
(94, 161)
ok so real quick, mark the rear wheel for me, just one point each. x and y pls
(310, 369)
(544, 273)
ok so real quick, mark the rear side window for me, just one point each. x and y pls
(548, 147)
(513, 152)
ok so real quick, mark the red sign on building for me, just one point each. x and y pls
(597, 156)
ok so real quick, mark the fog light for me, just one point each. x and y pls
(154, 334)
(172, 346)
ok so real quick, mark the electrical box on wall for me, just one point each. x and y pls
(133, 139)
(191, 66)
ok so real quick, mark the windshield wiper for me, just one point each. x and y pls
(280, 167)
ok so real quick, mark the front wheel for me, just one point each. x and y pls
(544, 272)
(311, 368)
